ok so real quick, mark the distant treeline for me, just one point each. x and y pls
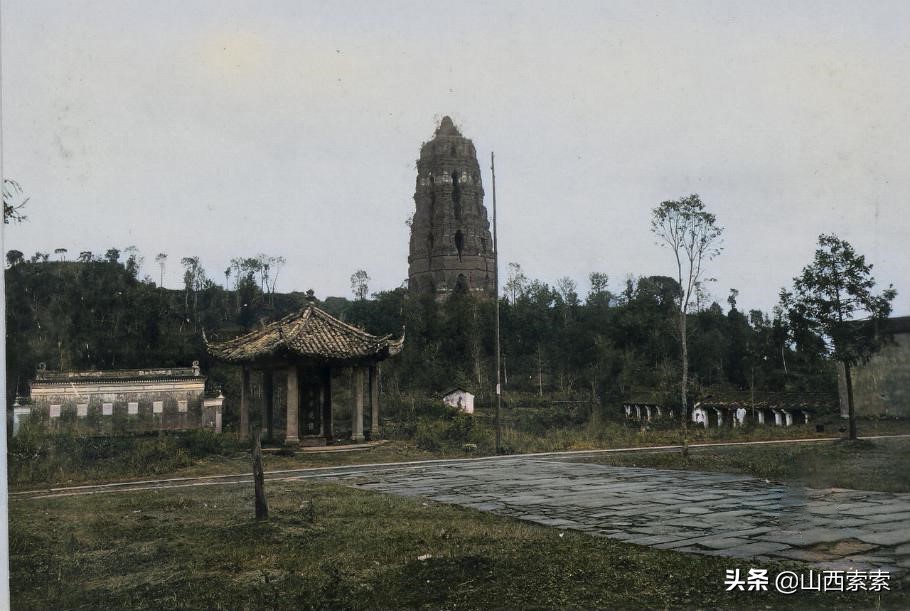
(96, 314)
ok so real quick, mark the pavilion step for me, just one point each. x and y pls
(312, 441)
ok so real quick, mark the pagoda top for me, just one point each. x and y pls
(447, 127)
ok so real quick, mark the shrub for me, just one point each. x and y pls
(459, 428)
(38, 457)
(202, 443)
(429, 435)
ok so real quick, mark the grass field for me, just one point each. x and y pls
(882, 464)
(326, 546)
(37, 461)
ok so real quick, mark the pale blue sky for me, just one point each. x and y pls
(221, 129)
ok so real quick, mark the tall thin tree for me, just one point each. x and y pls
(161, 260)
(692, 234)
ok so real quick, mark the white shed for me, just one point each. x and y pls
(460, 399)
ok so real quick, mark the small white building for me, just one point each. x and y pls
(460, 399)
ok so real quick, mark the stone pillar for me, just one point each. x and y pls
(211, 412)
(761, 416)
(648, 413)
(374, 402)
(326, 420)
(292, 431)
(357, 408)
(720, 416)
(245, 403)
(20, 415)
(788, 418)
(777, 419)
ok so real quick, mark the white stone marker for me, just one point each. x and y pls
(107, 409)
(82, 410)
(157, 407)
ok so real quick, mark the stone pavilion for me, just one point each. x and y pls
(302, 350)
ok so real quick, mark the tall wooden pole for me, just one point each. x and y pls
(496, 295)
(4, 494)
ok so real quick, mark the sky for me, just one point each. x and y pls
(221, 129)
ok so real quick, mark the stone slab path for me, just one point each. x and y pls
(705, 513)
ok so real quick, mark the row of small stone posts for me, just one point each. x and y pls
(713, 416)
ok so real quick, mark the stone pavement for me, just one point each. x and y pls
(705, 513)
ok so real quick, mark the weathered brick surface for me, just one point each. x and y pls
(881, 387)
(451, 246)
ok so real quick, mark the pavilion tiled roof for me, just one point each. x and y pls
(310, 333)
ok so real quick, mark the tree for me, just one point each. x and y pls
(600, 289)
(517, 282)
(112, 255)
(61, 253)
(834, 299)
(14, 257)
(567, 289)
(134, 260)
(276, 263)
(599, 282)
(13, 202)
(161, 260)
(359, 284)
(194, 281)
(265, 265)
(691, 232)
(85, 256)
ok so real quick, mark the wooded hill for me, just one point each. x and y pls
(98, 315)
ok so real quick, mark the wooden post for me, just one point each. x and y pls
(374, 402)
(292, 432)
(326, 420)
(245, 403)
(496, 325)
(851, 408)
(262, 506)
(268, 396)
(357, 408)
